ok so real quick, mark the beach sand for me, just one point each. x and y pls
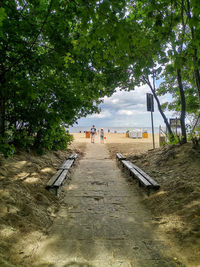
(115, 138)
(118, 142)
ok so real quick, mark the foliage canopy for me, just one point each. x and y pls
(59, 58)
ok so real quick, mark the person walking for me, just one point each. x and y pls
(102, 136)
(93, 132)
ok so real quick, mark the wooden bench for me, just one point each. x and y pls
(147, 177)
(120, 156)
(74, 156)
(143, 178)
(66, 165)
(58, 179)
(127, 164)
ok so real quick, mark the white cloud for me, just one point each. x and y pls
(114, 101)
(126, 109)
(125, 112)
(101, 115)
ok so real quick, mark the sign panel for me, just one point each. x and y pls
(150, 104)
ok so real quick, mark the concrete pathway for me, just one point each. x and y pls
(102, 222)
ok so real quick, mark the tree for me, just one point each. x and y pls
(59, 58)
(47, 81)
(165, 24)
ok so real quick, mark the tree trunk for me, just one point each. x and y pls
(183, 107)
(2, 116)
(196, 74)
(171, 135)
(195, 57)
(2, 109)
(163, 115)
(195, 124)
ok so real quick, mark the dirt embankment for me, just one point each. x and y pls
(176, 206)
(27, 209)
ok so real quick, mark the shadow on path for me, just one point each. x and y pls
(102, 221)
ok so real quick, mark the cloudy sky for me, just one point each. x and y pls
(125, 109)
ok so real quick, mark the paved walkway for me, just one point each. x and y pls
(102, 222)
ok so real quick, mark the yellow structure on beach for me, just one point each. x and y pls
(144, 135)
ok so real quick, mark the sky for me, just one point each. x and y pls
(126, 109)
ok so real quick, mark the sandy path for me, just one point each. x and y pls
(102, 222)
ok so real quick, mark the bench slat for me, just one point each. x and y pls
(67, 164)
(53, 179)
(145, 182)
(61, 178)
(127, 163)
(120, 156)
(147, 177)
(73, 156)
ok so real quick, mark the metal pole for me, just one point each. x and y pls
(152, 129)
(159, 135)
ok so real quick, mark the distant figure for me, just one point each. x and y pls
(108, 130)
(93, 132)
(102, 136)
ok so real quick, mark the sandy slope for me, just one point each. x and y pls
(27, 209)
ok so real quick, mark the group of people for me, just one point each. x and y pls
(93, 133)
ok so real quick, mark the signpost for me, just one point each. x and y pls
(150, 107)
